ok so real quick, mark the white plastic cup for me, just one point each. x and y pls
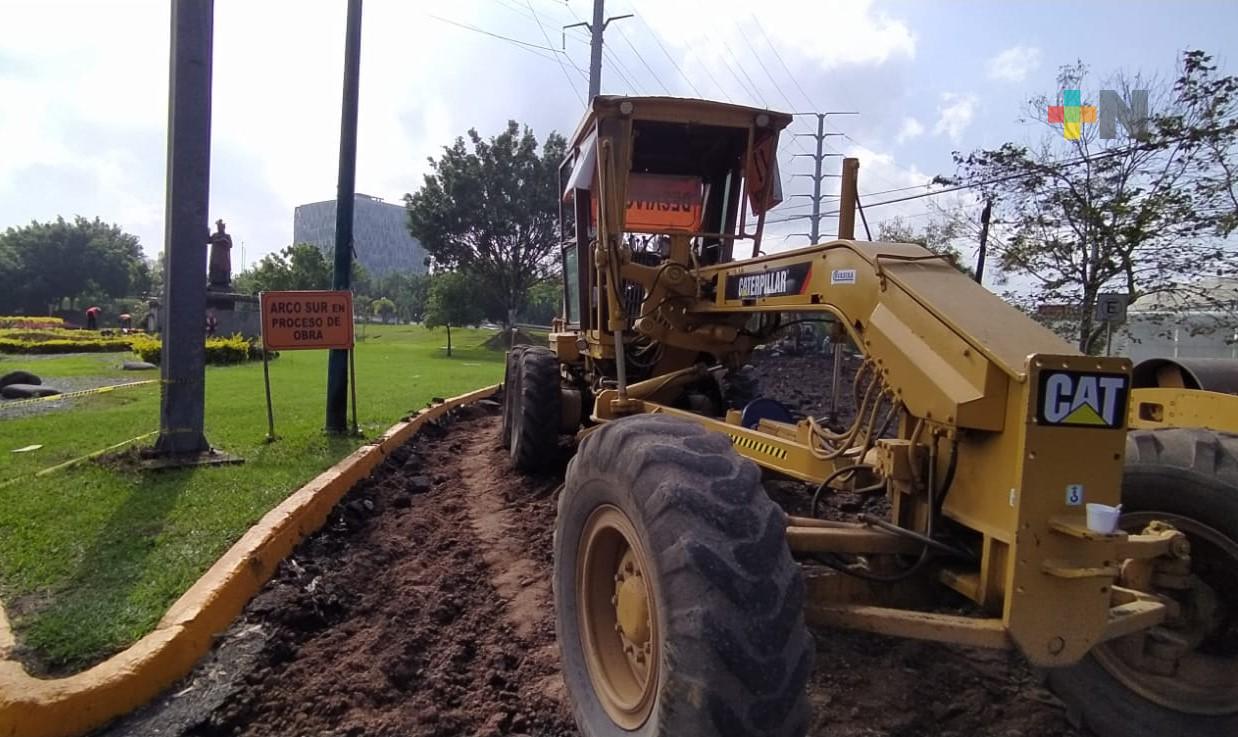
(1103, 518)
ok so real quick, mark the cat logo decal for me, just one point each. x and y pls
(1082, 399)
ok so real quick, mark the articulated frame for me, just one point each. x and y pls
(993, 411)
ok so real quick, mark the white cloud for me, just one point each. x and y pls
(714, 41)
(954, 114)
(910, 129)
(82, 124)
(1014, 64)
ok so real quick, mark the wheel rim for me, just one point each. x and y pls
(1206, 678)
(618, 617)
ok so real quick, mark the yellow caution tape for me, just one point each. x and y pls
(71, 395)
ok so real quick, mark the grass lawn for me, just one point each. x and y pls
(75, 364)
(91, 557)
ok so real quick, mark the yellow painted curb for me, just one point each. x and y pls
(66, 707)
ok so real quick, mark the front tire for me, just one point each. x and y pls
(667, 547)
(1188, 478)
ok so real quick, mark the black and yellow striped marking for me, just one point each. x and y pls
(758, 446)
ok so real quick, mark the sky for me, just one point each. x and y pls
(83, 90)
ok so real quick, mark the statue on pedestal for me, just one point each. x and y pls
(219, 268)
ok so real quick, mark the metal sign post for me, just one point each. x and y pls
(306, 320)
(266, 378)
(352, 386)
(1111, 309)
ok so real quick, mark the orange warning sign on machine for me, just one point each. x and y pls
(660, 202)
(293, 321)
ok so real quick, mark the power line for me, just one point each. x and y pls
(652, 73)
(562, 68)
(521, 44)
(615, 63)
(755, 55)
(798, 217)
(773, 81)
(704, 67)
(510, 5)
(755, 92)
(1052, 167)
(624, 73)
(669, 58)
(747, 90)
(897, 189)
(785, 68)
(709, 73)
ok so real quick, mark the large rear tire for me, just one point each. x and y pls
(679, 609)
(538, 409)
(1188, 478)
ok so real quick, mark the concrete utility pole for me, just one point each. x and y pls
(337, 362)
(181, 409)
(815, 229)
(596, 30)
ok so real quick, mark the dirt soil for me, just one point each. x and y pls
(423, 608)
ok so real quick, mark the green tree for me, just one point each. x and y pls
(362, 304)
(157, 266)
(1145, 216)
(407, 291)
(361, 281)
(938, 236)
(544, 302)
(412, 296)
(453, 301)
(42, 264)
(10, 275)
(1208, 104)
(301, 266)
(383, 308)
(490, 207)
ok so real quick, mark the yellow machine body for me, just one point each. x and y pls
(1014, 427)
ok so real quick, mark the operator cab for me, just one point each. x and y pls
(669, 179)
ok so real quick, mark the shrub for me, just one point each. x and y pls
(30, 322)
(220, 351)
(54, 340)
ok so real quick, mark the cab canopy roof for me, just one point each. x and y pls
(676, 110)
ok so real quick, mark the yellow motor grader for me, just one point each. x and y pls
(683, 592)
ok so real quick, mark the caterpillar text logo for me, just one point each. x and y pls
(759, 285)
(781, 282)
(1088, 400)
